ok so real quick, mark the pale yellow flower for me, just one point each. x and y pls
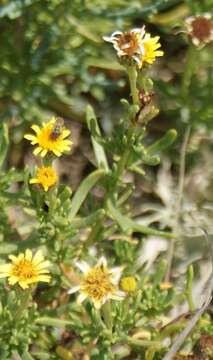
(99, 283)
(26, 269)
(151, 46)
(47, 143)
(128, 284)
(46, 177)
(200, 29)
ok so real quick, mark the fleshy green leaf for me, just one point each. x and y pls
(83, 191)
(98, 148)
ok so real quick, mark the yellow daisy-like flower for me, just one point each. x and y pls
(151, 46)
(48, 141)
(26, 269)
(128, 284)
(46, 177)
(99, 283)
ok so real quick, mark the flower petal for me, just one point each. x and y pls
(73, 289)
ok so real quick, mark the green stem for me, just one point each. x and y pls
(132, 74)
(107, 314)
(24, 298)
(191, 58)
(190, 275)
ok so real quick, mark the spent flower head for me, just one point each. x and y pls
(200, 29)
(26, 269)
(46, 177)
(99, 283)
(50, 138)
(135, 46)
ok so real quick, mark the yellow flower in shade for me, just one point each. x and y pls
(26, 269)
(128, 44)
(166, 285)
(50, 138)
(46, 177)
(128, 284)
(151, 46)
(99, 283)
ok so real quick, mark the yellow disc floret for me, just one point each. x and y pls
(97, 283)
(128, 284)
(25, 269)
(46, 142)
(46, 177)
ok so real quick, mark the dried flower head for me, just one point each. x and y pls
(99, 283)
(200, 29)
(25, 269)
(128, 44)
(136, 45)
(128, 284)
(46, 177)
(47, 143)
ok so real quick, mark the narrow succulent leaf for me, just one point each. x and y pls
(4, 143)
(163, 143)
(83, 191)
(98, 148)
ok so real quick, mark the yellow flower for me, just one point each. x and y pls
(128, 44)
(165, 285)
(47, 140)
(151, 46)
(25, 269)
(99, 283)
(46, 177)
(128, 284)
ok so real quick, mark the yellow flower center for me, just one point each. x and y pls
(24, 270)
(128, 284)
(47, 176)
(45, 138)
(97, 283)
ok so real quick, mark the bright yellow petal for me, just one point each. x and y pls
(33, 181)
(44, 278)
(56, 152)
(43, 264)
(65, 133)
(30, 137)
(5, 268)
(37, 150)
(38, 257)
(28, 255)
(13, 258)
(43, 153)
(12, 280)
(36, 128)
(23, 284)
